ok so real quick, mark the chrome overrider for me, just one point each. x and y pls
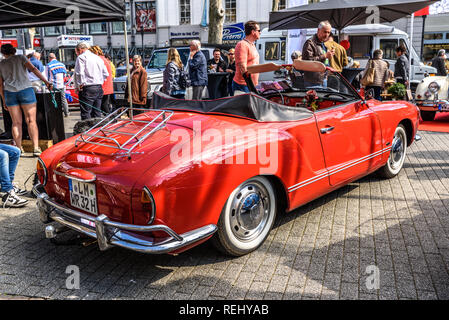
(109, 233)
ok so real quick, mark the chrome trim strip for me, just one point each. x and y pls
(76, 178)
(109, 233)
(336, 170)
(349, 165)
(321, 175)
(153, 204)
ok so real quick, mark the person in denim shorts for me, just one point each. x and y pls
(17, 94)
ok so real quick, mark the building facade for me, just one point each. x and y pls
(160, 23)
(150, 24)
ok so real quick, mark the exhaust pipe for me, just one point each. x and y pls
(52, 232)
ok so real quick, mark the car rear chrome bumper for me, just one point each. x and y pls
(109, 233)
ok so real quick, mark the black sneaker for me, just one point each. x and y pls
(11, 200)
(19, 192)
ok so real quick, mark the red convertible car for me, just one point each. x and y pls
(186, 171)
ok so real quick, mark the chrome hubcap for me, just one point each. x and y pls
(397, 152)
(249, 211)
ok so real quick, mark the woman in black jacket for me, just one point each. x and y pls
(172, 74)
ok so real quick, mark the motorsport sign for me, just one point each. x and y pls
(72, 41)
(233, 33)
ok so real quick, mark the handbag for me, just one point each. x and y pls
(368, 77)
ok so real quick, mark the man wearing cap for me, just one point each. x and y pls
(438, 63)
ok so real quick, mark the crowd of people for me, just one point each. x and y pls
(178, 77)
(21, 77)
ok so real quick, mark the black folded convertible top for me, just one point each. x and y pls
(247, 105)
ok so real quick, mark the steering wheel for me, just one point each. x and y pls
(278, 92)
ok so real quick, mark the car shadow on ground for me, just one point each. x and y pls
(303, 257)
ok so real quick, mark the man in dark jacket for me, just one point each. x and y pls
(401, 68)
(314, 49)
(197, 70)
(217, 62)
(438, 63)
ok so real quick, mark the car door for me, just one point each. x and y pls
(351, 139)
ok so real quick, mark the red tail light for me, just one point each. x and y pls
(42, 172)
(148, 205)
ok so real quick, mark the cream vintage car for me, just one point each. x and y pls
(431, 96)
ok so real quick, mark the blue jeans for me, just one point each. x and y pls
(90, 101)
(239, 87)
(9, 158)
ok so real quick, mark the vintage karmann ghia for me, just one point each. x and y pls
(173, 177)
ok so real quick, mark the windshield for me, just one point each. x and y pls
(295, 81)
(120, 72)
(159, 58)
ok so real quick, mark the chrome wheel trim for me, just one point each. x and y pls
(398, 150)
(250, 211)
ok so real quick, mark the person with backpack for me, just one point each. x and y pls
(174, 77)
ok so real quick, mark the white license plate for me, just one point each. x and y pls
(83, 196)
(120, 96)
(445, 107)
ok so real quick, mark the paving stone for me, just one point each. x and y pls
(319, 251)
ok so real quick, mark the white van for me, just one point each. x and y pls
(364, 39)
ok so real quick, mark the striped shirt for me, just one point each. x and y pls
(55, 73)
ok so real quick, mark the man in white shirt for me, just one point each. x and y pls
(90, 73)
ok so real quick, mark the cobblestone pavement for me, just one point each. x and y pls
(324, 250)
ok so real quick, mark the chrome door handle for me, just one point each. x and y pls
(327, 129)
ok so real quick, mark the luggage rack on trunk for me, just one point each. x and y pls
(134, 138)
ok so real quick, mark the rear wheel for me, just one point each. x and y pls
(246, 218)
(397, 154)
(428, 115)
